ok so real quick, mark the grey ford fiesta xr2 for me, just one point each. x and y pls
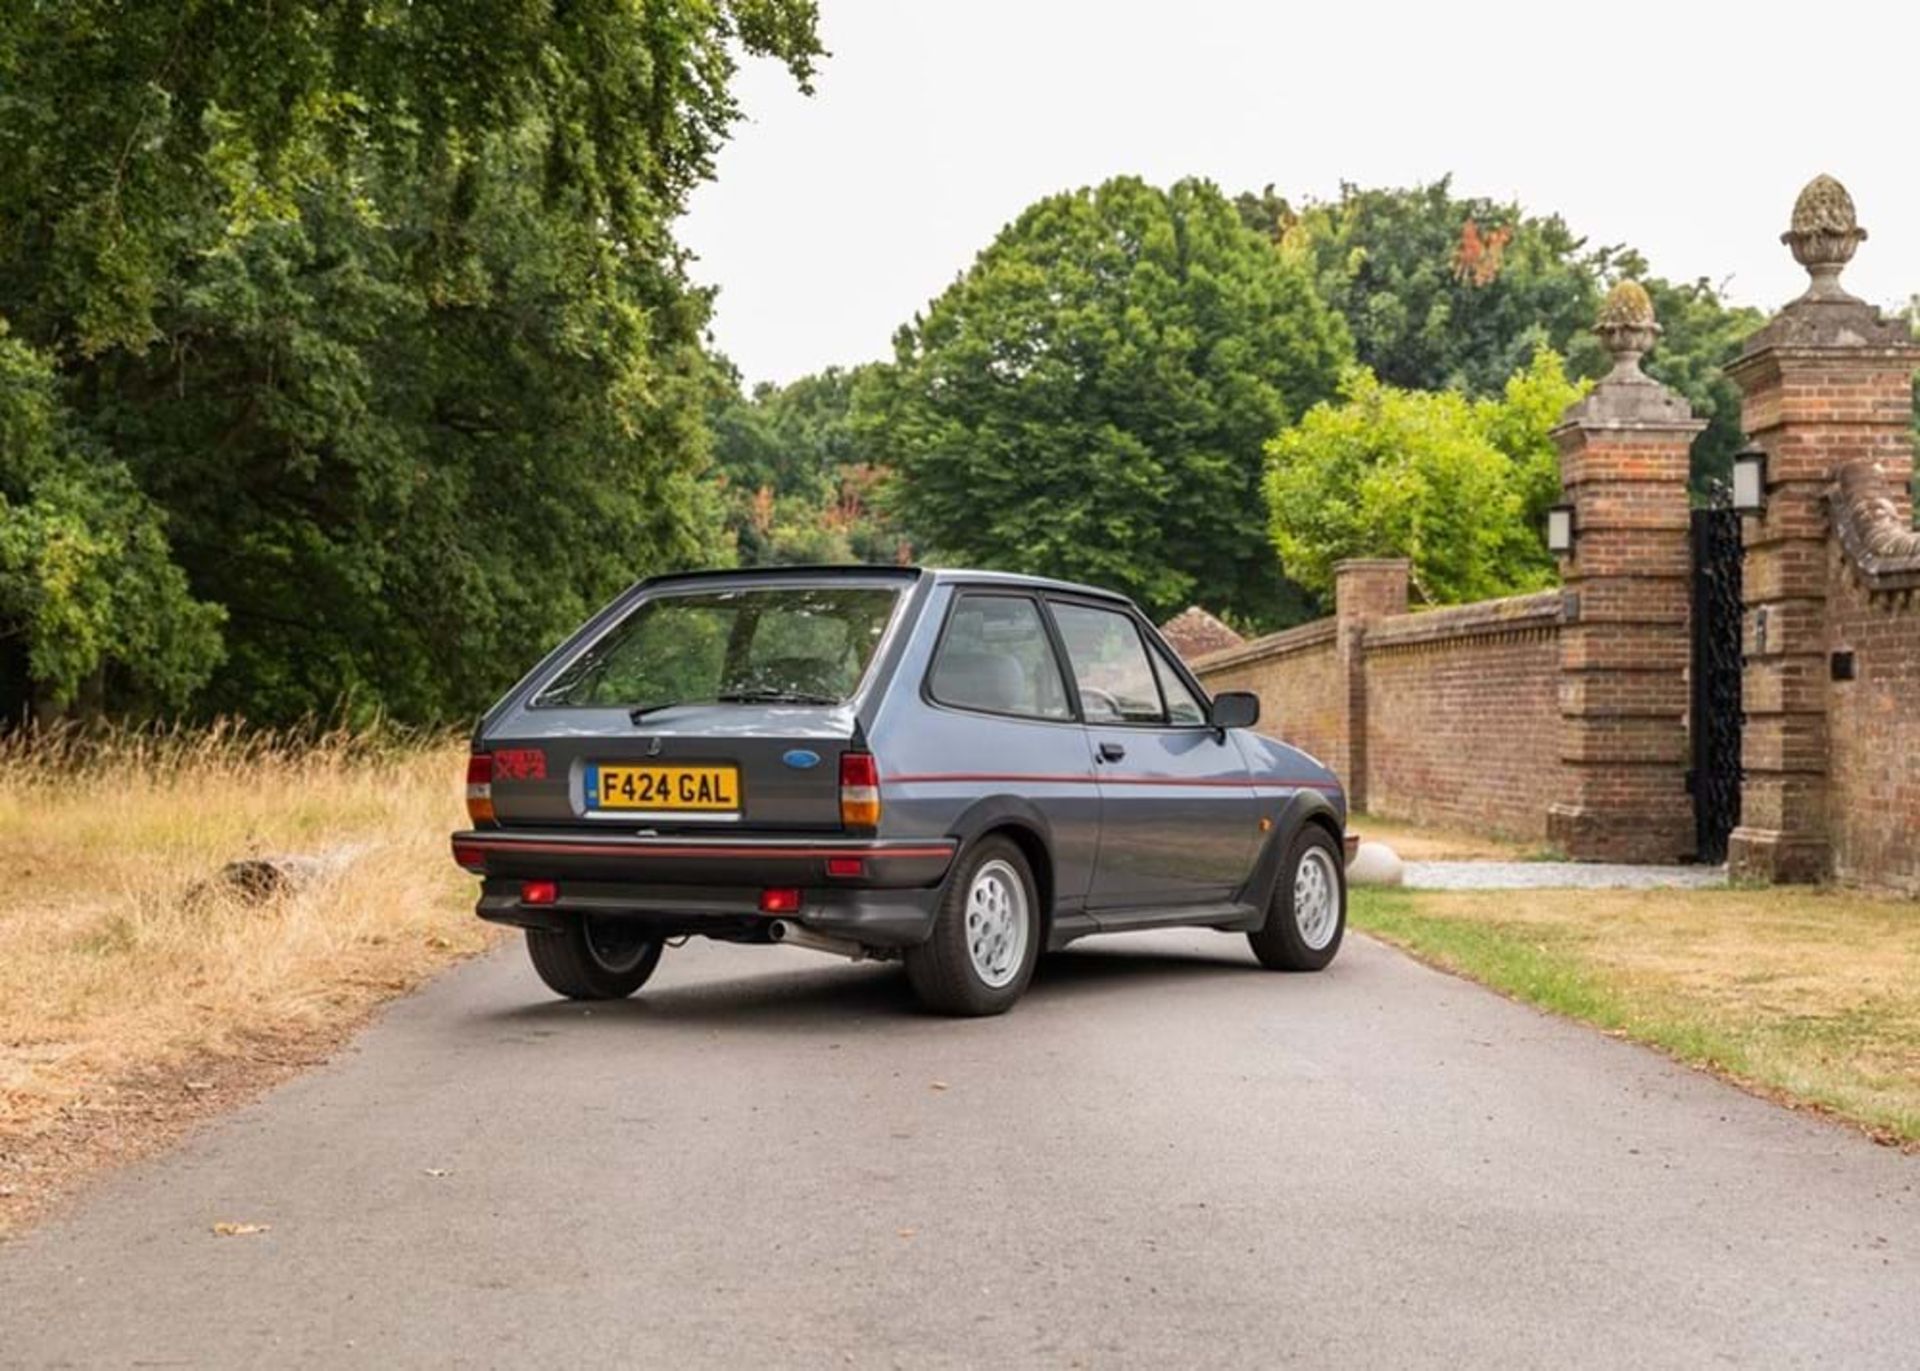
(960, 769)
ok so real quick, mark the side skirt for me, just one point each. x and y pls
(1228, 917)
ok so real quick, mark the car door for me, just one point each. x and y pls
(1178, 813)
(994, 726)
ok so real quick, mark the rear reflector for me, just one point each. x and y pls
(780, 899)
(846, 866)
(470, 855)
(539, 892)
(480, 789)
(859, 790)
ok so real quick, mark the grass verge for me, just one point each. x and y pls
(1811, 997)
(138, 993)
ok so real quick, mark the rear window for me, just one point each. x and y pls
(775, 644)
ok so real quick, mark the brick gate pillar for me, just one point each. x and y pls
(1827, 382)
(1364, 589)
(1624, 645)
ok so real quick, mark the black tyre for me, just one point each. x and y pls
(594, 959)
(1308, 915)
(986, 937)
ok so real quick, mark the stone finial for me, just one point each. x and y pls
(1627, 326)
(1627, 396)
(1824, 236)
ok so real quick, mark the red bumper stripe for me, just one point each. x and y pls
(593, 849)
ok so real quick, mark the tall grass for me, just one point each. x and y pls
(124, 951)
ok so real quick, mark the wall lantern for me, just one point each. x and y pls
(1560, 530)
(1750, 479)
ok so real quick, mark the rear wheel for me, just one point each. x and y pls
(986, 936)
(1308, 915)
(594, 959)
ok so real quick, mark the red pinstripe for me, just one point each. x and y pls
(983, 776)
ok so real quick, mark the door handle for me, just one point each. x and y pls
(1112, 752)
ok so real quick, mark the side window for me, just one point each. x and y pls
(1182, 707)
(1110, 665)
(995, 655)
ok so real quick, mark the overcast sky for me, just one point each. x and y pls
(1683, 128)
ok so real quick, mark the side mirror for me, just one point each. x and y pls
(1234, 709)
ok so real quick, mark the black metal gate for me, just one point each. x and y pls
(1714, 719)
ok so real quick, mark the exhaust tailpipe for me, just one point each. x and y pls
(792, 934)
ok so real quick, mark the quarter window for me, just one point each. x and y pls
(1182, 707)
(1110, 666)
(995, 656)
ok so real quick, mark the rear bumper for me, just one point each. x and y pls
(873, 918)
(884, 863)
(711, 886)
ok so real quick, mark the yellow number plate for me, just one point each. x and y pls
(667, 787)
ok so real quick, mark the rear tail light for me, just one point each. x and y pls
(859, 790)
(480, 789)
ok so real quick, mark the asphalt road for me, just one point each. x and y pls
(1164, 1157)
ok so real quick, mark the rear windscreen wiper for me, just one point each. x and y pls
(639, 712)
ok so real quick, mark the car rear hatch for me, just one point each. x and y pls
(699, 768)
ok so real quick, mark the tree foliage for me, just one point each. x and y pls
(1090, 399)
(1457, 485)
(1446, 292)
(379, 305)
(1441, 292)
(802, 480)
(86, 580)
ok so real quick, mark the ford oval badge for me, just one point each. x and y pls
(800, 759)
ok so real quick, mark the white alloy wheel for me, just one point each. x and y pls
(997, 920)
(1316, 898)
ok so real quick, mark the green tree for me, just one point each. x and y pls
(801, 480)
(88, 591)
(1090, 399)
(1457, 485)
(1444, 292)
(381, 305)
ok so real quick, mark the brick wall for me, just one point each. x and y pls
(1463, 716)
(1297, 676)
(1461, 706)
(1874, 723)
(1873, 720)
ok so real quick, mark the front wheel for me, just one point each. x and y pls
(986, 936)
(594, 959)
(1308, 915)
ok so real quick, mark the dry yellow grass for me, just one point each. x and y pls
(1421, 843)
(1809, 995)
(137, 991)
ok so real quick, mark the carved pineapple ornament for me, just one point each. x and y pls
(1627, 326)
(1825, 233)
